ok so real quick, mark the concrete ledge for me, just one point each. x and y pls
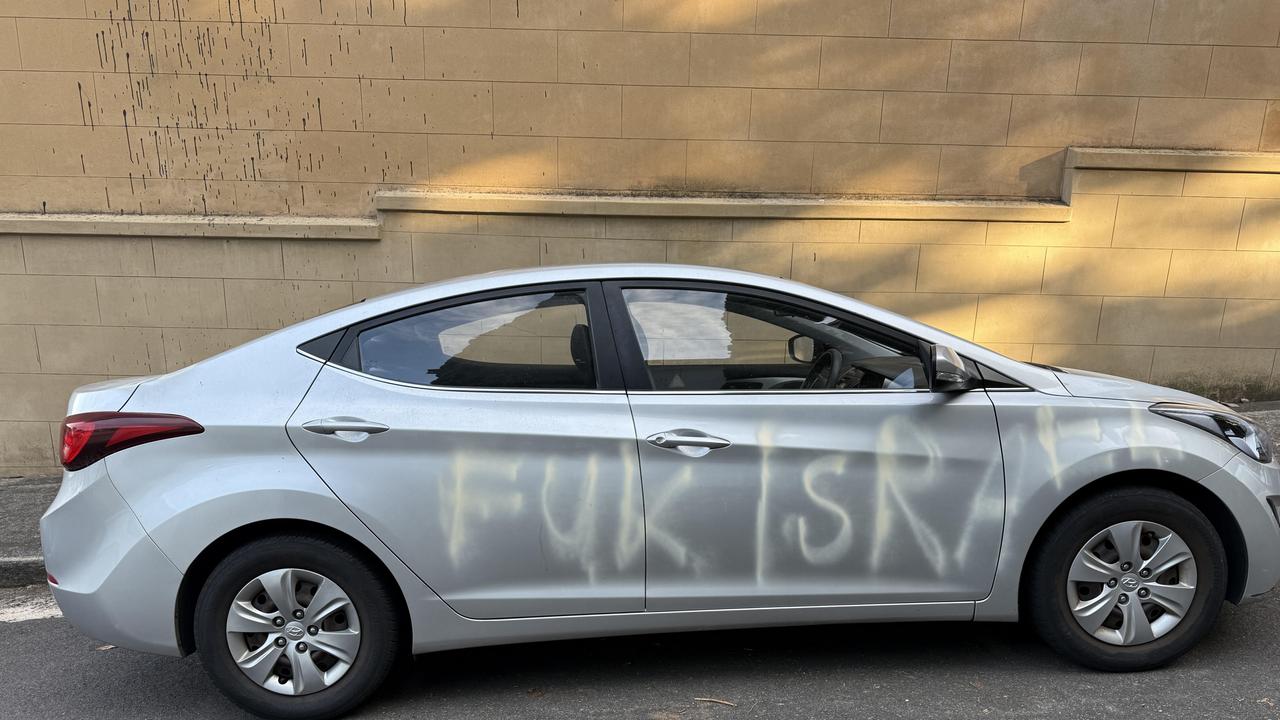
(20, 571)
(1172, 160)
(789, 207)
(22, 501)
(212, 226)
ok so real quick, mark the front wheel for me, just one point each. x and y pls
(1128, 580)
(296, 627)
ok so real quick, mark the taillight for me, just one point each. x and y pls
(89, 437)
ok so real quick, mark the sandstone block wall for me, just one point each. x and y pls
(311, 106)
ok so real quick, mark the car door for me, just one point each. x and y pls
(762, 492)
(487, 440)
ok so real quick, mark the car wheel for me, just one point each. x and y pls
(296, 627)
(1127, 580)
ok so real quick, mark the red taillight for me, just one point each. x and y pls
(89, 437)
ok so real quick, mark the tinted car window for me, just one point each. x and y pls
(537, 341)
(704, 340)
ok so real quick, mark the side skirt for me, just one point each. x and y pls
(448, 630)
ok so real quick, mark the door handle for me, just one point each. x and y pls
(334, 425)
(676, 439)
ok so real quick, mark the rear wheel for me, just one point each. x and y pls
(296, 626)
(1127, 580)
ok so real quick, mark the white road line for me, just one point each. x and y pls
(20, 608)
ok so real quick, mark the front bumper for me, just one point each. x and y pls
(113, 583)
(1247, 487)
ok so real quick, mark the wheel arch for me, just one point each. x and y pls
(200, 568)
(1203, 498)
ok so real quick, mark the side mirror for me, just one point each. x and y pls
(800, 348)
(949, 372)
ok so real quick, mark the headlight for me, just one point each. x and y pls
(1248, 437)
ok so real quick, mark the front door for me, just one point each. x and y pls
(794, 456)
(488, 442)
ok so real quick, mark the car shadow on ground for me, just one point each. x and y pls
(936, 665)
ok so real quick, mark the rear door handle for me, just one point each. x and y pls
(334, 425)
(690, 442)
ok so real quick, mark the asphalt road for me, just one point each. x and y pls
(49, 670)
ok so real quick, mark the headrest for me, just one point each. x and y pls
(580, 347)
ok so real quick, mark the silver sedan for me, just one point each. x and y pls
(603, 450)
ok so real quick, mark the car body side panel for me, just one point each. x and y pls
(1245, 487)
(112, 581)
(242, 399)
(201, 493)
(822, 498)
(186, 492)
(448, 630)
(509, 504)
(1054, 446)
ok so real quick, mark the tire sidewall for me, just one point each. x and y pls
(378, 625)
(1050, 608)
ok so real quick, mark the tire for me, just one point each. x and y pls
(298, 560)
(1049, 592)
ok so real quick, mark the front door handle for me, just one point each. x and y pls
(335, 425)
(690, 442)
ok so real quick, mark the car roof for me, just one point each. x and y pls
(515, 278)
(602, 271)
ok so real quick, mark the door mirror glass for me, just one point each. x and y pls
(949, 372)
(800, 348)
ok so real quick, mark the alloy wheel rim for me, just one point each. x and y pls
(293, 631)
(1131, 583)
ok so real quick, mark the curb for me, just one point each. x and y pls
(21, 571)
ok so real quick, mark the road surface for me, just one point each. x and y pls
(924, 671)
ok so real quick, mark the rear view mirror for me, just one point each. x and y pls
(949, 372)
(800, 348)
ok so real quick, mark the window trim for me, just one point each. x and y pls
(635, 372)
(608, 373)
(477, 389)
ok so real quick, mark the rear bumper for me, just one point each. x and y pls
(1246, 487)
(113, 583)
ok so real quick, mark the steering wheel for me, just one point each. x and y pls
(825, 370)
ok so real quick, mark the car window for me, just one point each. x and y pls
(706, 340)
(535, 341)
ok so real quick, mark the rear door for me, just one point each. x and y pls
(488, 442)
(770, 483)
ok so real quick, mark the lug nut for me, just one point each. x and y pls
(1124, 599)
(1126, 566)
(1145, 572)
(280, 642)
(1111, 582)
(278, 622)
(313, 630)
(1143, 592)
(298, 614)
(302, 647)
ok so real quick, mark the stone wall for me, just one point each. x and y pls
(179, 176)
(312, 106)
(1159, 265)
